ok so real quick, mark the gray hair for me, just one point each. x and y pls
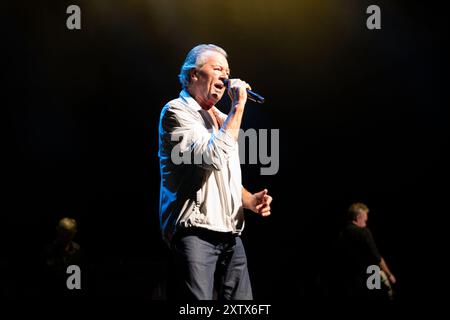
(194, 60)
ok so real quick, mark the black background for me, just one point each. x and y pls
(362, 117)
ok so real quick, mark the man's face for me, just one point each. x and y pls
(364, 215)
(207, 82)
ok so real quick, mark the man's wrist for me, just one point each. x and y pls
(238, 107)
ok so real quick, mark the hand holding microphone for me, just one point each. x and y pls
(250, 94)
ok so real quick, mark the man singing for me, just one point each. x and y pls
(202, 197)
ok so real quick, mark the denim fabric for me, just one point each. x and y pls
(211, 265)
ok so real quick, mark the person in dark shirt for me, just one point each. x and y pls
(358, 251)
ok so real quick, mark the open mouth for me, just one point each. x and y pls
(219, 85)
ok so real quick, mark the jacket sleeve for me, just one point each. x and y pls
(190, 142)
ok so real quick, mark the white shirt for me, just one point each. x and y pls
(201, 182)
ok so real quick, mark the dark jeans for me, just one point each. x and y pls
(211, 265)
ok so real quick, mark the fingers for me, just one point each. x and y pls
(260, 195)
(238, 83)
(268, 199)
(263, 208)
(261, 198)
(237, 90)
(392, 279)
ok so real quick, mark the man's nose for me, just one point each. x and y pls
(223, 78)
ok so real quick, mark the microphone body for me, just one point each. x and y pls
(253, 96)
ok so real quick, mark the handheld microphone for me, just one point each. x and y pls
(253, 96)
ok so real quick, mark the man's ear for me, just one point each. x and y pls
(193, 74)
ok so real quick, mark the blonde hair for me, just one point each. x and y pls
(355, 209)
(67, 225)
